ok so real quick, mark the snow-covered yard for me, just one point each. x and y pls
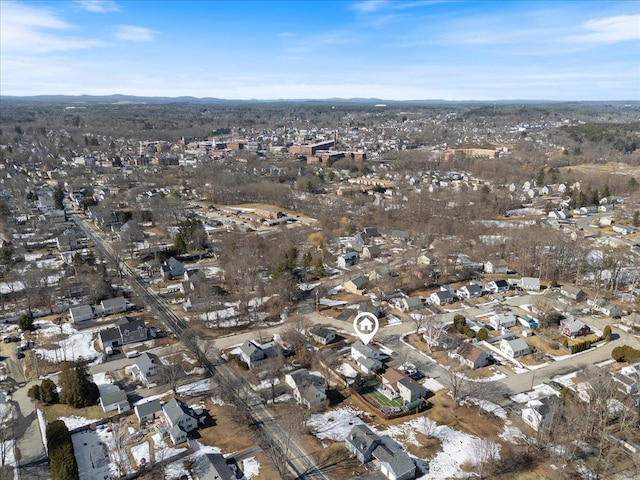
(194, 388)
(72, 343)
(457, 447)
(141, 453)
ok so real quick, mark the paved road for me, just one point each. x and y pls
(298, 460)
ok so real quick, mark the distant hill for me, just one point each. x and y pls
(132, 99)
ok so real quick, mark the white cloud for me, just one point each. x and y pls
(29, 30)
(606, 30)
(98, 6)
(134, 33)
(286, 34)
(368, 6)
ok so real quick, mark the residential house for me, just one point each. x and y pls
(212, 466)
(81, 313)
(398, 384)
(426, 258)
(172, 268)
(472, 356)
(372, 232)
(144, 368)
(574, 328)
(348, 259)
(473, 290)
(410, 304)
(371, 251)
(148, 411)
(113, 305)
(442, 297)
(366, 445)
(632, 320)
(625, 229)
(368, 359)
(498, 286)
(627, 385)
(127, 330)
(308, 390)
(67, 242)
(503, 320)
(115, 400)
(401, 235)
(180, 418)
(574, 293)
(323, 335)
(251, 352)
(531, 284)
(357, 285)
(515, 348)
(539, 413)
(495, 267)
(608, 309)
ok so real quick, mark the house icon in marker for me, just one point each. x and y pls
(366, 325)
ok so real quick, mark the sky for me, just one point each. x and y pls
(395, 50)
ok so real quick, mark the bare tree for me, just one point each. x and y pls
(272, 369)
(484, 451)
(457, 382)
(433, 330)
(120, 440)
(171, 373)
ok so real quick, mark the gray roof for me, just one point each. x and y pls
(413, 302)
(113, 302)
(370, 363)
(145, 360)
(213, 465)
(148, 408)
(248, 348)
(109, 335)
(359, 281)
(174, 409)
(399, 461)
(81, 310)
(323, 332)
(517, 344)
(116, 396)
(473, 288)
(363, 438)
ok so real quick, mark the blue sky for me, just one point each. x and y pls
(401, 49)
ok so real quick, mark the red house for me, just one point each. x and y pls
(575, 328)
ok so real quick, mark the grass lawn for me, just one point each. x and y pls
(384, 401)
(55, 411)
(369, 390)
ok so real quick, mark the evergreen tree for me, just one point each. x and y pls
(25, 322)
(58, 197)
(78, 390)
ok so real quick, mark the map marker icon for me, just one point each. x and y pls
(366, 326)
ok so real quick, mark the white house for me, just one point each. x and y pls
(515, 348)
(499, 321)
(81, 313)
(495, 267)
(540, 412)
(442, 297)
(498, 286)
(530, 284)
(115, 400)
(472, 290)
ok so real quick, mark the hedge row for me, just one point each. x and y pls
(62, 460)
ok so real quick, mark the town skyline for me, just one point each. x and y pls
(455, 51)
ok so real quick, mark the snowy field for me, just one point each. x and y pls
(73, 344)
(195, 388)
(457, 447)
(96, 455)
